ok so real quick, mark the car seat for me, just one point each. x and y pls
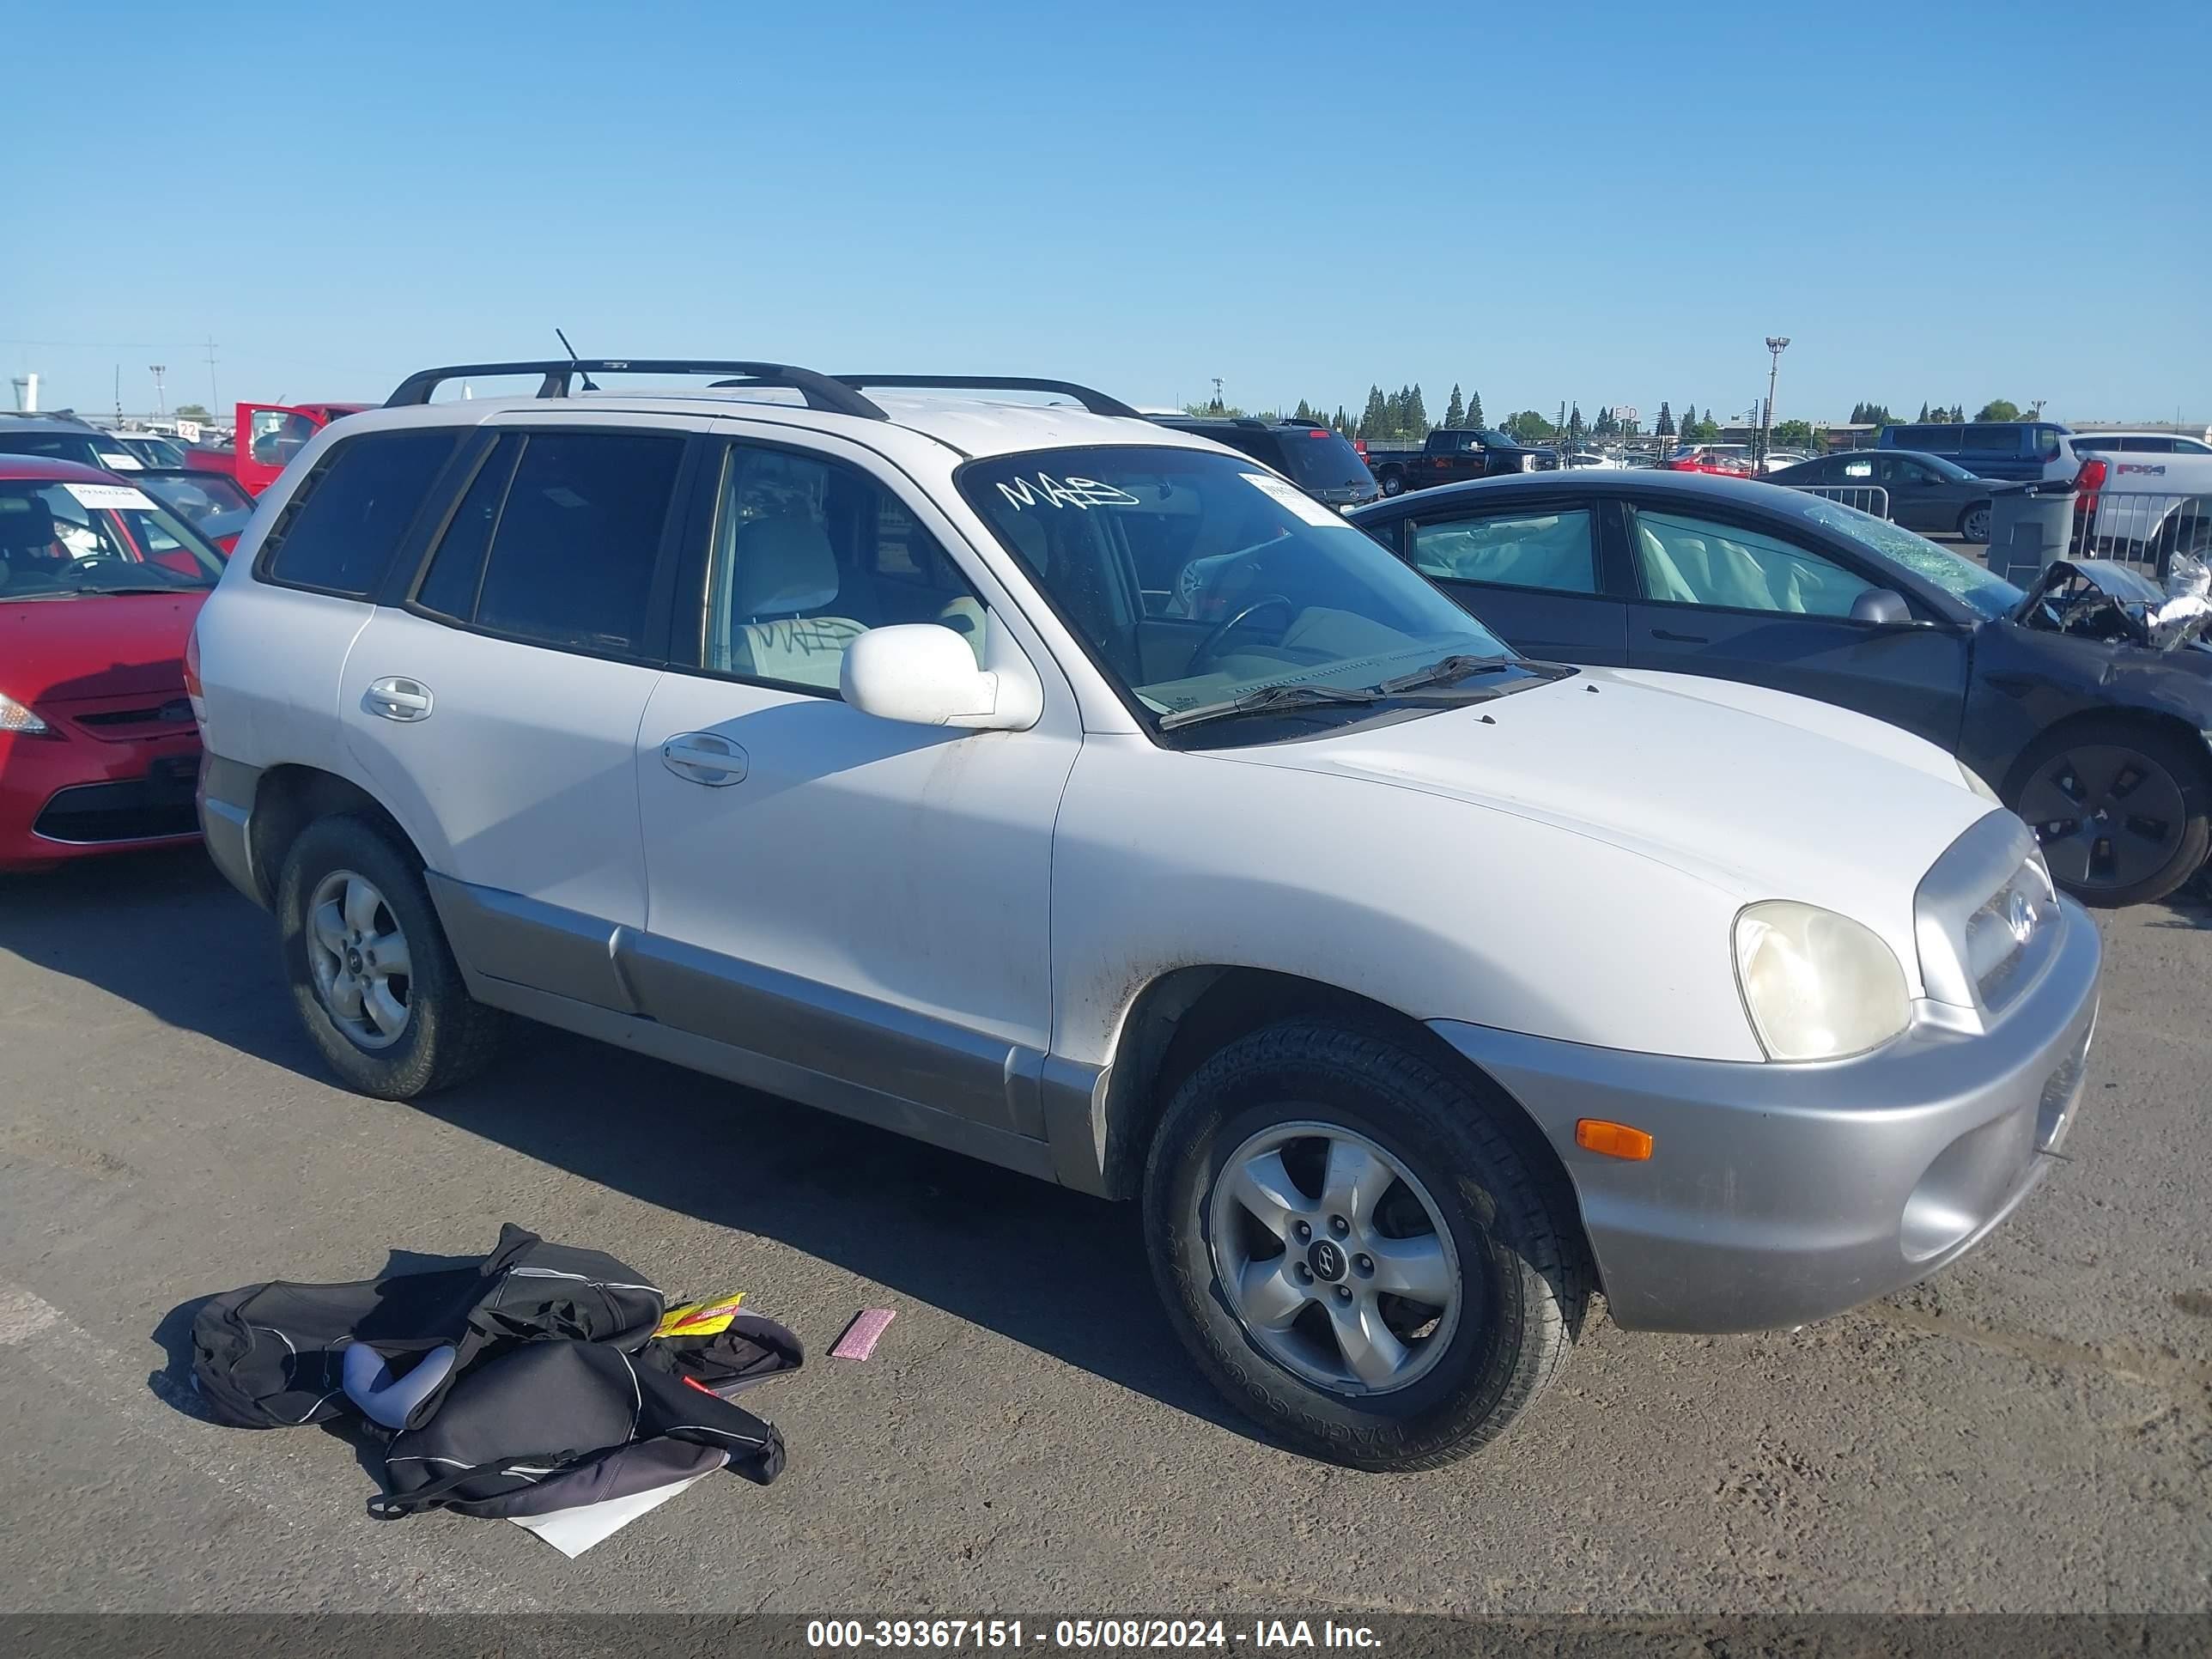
(781, 567)
(26, 534)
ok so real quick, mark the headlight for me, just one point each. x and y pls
(1818, 985)
(17, 720)
(1974, 781)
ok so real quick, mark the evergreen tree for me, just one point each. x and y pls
(1958, 414)
(1455, 411)
(1664, 426)
(1374, 420)
(1575, 425)
(1418, 424)
(1923, 412)
(1304, 411)
(1475, 409)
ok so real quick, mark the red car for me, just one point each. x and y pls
(1730, 462)
(99, 586)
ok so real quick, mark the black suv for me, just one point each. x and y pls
(1320, 461)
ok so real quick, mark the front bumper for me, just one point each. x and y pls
(1779, 1193)
(79, 798)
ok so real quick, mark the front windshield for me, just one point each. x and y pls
(1194, 577)
(1989, 597)
(78, 539)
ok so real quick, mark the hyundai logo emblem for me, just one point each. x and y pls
(2020, 917)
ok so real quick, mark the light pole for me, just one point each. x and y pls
(157, 371)
(1774, 345)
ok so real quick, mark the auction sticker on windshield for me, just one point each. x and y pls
(111, 498)
(1291, 496)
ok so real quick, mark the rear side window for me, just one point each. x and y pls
(339, 530)
(556, 540)
(1992, 439)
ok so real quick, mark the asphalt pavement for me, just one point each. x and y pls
(2030, 1431)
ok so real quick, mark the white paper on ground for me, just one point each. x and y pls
(573, 1531)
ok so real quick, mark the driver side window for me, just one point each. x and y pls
(808, 554)
(1696, 562)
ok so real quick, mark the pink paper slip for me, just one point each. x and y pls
(860, 1336)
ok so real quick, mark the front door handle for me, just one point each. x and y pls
(398, 698)
(1680, 639)
(702, 758)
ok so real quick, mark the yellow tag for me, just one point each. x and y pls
(708, 1318)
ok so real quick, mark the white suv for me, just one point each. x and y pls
(1074, 793)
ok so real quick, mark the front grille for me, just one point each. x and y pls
(178, 711)
(137, 809)
(1987, 921)
(2011, 933)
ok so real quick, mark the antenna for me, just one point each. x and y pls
(575, 359)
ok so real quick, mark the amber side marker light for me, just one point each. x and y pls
(1597, 1135)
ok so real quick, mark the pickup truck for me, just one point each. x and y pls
(1452, 454)
(267, 436)
(2143, 508)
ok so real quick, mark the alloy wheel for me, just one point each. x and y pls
(2106, 816)
(1335, 1258)
(1976, 526)
(359, 959)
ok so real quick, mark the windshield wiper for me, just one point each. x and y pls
(1268, 700)
(1458, 667)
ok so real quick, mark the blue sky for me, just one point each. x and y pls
(1603, 204)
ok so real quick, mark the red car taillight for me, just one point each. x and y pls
(2087, 482)
(192, 676)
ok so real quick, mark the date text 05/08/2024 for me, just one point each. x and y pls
(1262, 1635)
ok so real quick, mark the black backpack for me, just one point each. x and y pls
(269, 1356)
(552, 1424)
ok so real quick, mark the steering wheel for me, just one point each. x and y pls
(1211, 643)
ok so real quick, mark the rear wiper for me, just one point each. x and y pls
(1458, 667)
(1267, 700)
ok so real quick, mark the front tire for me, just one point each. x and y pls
(2123, 809)
(1353, 1250)
(370, 971)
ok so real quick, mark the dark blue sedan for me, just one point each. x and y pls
(2060, 701)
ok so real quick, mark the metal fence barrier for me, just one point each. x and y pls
(1867, 498)
(2143, 528)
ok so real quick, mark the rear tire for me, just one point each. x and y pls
(1393, 483)
(1974, 524)
(1303, 1332)
(2122, 808)
(347, 890)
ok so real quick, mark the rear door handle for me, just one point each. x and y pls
(398, 698)
(1680, 639)
(702, 758)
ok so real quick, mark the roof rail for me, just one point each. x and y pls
(1096, 402)
(68, 415)
(558, 374)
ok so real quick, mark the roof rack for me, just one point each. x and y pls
(1096, 402)
(559, 374)
(68, 415)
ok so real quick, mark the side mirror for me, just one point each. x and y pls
(925, 674)
(1880, 604)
